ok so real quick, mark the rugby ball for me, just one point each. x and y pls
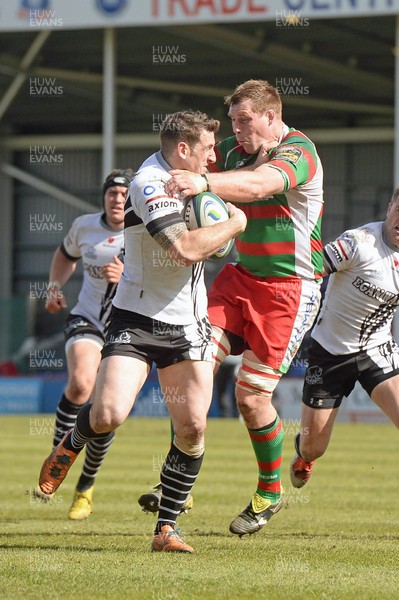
(204, 210)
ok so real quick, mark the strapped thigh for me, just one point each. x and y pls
(257, 378)
(221, 345)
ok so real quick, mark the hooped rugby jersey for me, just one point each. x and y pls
(283, 233)
(362, 292)
(154, 284)
(90, 239)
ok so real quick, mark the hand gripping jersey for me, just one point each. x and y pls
(362, 293)
(283, 233)
(96, 244)
(154, 284)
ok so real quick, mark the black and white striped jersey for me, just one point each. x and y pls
(362, 293)
(90, 239)
(154, 284)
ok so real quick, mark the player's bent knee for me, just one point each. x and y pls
(106, 420)
(188, 447)
(79, 390)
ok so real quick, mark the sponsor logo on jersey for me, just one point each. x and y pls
(148, 190)
(290, 154)
(335, 251)
(373, 291)
(94, 271)
(163, 204)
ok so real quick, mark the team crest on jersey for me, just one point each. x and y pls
(91, 252)
(109, 242)
(239, 164)
(290, 154)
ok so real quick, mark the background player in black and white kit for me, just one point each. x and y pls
(159, 315)
(98, 240)
(352, 339)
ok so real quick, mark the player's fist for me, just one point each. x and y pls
(112, 271)
(185, 183)
(263, 156)
(55, 300)
(238, 215)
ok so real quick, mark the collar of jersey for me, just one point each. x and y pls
(162, 161)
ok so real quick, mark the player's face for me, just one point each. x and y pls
(201, 154)
(251, 128)
(392, 224)
(114, 204)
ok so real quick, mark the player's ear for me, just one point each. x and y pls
(183, 150)
(270, 115)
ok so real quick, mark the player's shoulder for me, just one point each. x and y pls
(152, 173)
(361, 242)
(294, 142)
(294, 136)
(366, 235)
(87, 221)
(294, 147)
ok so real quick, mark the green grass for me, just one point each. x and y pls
(336, 539)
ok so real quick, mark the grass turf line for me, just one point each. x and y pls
(337, 537)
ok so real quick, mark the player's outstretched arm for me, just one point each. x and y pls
(60, 271)
(240, 185)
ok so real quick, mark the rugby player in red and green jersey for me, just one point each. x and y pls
(263, 305)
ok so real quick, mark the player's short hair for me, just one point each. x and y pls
(185, 126)
(395, 196)
(262, 94)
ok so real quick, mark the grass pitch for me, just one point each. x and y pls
(337, 538)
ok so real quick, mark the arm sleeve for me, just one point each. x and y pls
(296, 159)
(70, 245)
(153, 206)
(341, 253)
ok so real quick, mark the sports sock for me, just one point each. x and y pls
(178, 475)
(267, 443)
(82, 432)
(65, 418)
(96, 450)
